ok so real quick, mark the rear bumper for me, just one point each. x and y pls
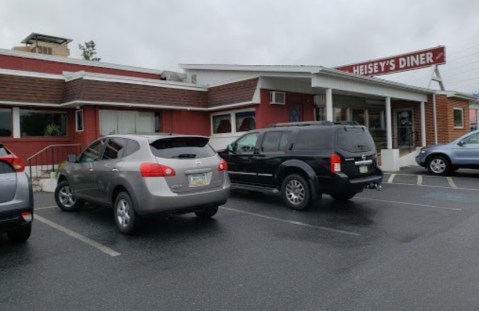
(341, 182)
(12, 220)
(157, 198)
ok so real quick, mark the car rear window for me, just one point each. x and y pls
(354, 139)
(182, 148)
(3, 151)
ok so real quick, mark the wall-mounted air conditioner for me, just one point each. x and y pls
(277, 98)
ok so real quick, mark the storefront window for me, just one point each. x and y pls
(358, 116)
(79, 120)
(340, 114)
(245, 121)
(375, 119)
(127, 122)
(5, 122)
(458, 118)
(222, 124)
(43, 123)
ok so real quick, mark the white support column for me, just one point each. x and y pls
(389, 132)
(423, 124)
(329, 105)
(16, 122)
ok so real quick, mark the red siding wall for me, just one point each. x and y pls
(185, 122)
(45, 66)
(267, 114)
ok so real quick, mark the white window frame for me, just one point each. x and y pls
(462, 117)
(82, 120)
(231, 113)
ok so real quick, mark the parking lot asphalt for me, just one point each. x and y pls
(412, 246)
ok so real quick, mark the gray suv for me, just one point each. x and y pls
(446, 158)
(140, 175)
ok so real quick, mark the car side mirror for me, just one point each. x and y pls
(72, 158)
(461, 143)
(231, 148)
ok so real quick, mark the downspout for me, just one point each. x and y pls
(434, 115)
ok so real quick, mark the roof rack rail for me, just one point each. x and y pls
(312, 123)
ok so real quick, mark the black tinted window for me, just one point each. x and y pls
(115, 148)
(92, 153)
(354, 139)
(131, 147)
(275, 141)
(5, 168)
(182, 148)
(246, 144)
(313, 139)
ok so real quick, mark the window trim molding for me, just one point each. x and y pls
(231, 113)
(82, 119)
(462, 117)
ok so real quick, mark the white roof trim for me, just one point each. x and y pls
(81, 62)
(460, 95)
(255, 68)
(12, 103)
(31, 74)
(132, 80)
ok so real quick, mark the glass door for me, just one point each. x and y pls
(405, 128)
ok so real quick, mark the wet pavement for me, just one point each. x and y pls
(412, 246)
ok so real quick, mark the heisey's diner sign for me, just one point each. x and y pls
(414, 60)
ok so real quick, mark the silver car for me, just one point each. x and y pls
(143, 174)
(16, 197)
(446, 158)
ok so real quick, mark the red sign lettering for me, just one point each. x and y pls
(410, 61)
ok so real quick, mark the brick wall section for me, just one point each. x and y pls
(445, 117)
(237, 92)
(37, 65)
(31, 90)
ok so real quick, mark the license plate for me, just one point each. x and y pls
(363, 169)
(197, 180)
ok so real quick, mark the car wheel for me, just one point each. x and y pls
(207, 213)
(65, 198)
(343, 196)
(126, 218)
(295, 192)
(20, 235)
(438, 165)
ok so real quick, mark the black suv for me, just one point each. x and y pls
(303, 160)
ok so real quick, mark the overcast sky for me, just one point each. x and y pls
(161, 34)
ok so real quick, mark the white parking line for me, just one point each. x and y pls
(292, 222)
(412, 204)
(78, 236)
(391, 178)
(419, 180)
(451, 183)
(431, 186)
(45, 207)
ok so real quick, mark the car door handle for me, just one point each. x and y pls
(90, 170)
(114, 170)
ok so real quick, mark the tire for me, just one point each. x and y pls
(65, 199)
(126, 218)
(207, 213)
(20, 235)
(438, 165)
(343, 196)
(295, 192)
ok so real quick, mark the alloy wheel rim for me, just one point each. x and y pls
(438, 166)
(295, 192)
(123, 213)
(66, 196)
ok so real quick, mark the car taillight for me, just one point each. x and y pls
(156, 170)
(223, 166)
(15, 162)
(27, 216)
(335, 160)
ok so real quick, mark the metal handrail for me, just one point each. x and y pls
(49, 159)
